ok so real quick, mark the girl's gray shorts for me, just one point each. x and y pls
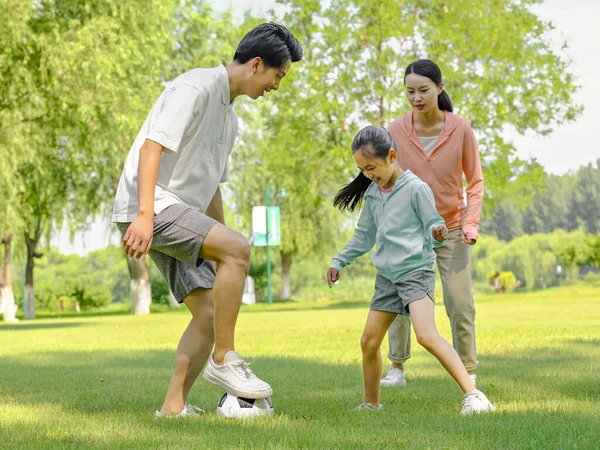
(179, 232)
(395, 297)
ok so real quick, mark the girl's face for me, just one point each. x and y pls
(422, 92)
(379, 170)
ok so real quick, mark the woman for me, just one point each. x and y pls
(439, 146)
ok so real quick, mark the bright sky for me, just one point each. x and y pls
(569, 147)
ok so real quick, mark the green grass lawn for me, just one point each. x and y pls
(95, 382)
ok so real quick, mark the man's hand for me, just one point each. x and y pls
(138, 238)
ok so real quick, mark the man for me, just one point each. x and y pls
(169, 205)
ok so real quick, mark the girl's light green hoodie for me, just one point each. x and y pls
(401, 225)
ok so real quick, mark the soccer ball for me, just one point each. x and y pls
(233, 407)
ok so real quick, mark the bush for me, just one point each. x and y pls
(64, 295)
(534, 259)
(90, 296)
(503, 281)
(160, 290)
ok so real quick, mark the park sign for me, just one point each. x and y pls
(266, 224)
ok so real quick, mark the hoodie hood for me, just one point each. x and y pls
(374, 190)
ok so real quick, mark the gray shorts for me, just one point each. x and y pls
(395, 297)
(178, 235)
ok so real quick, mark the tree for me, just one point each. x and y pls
(585, 204)
(295, 143)
(7, 297)
(499, 70)
(567, 202)
(507, 221)
(82, 78)
(355, 55)
(19, 101)
(551, 206)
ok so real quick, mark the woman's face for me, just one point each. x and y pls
(422, 92)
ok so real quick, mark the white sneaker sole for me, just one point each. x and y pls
(255, 394)
(388, 384)
(491, 409)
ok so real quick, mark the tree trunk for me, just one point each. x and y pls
(173, 302)
(140, 289)
(7, 297)
(286, 276)
(31, 255)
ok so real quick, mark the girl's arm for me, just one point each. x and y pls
(471, 166)
(424, 205)
(362, 241)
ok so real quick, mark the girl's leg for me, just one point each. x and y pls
(377, 325)
(423, 320)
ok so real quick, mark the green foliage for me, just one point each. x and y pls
(502, 281)
(76, 82)
(160, 290)
(64, 294)
(499, 70)
(592, 252)
(568, 202)
(585, 202)
(534, 259)
(93, 281)
(91, 296)
(498, 66)
(258, 268)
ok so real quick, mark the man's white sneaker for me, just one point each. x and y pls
(188, 411)
(394, 378)
(236, 377)
(476, 402)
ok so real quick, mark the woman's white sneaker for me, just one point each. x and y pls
(476, 402)
(394, 378)
(236, 377)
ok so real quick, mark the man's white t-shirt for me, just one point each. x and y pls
(195, 121)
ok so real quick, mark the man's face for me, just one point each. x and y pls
(263, 81)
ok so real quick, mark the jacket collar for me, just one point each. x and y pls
(407, 124)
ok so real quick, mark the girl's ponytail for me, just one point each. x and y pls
(350, 196)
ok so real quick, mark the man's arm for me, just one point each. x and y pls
(138, 238)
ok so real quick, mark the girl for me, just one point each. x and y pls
(399, 216)
(439, 146)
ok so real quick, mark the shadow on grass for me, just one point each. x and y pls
(125, 311)
(310, 306)
(31, 325)
(314, 401)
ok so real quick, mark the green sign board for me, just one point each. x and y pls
(266, 218)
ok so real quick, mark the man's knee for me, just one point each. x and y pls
(238, 253)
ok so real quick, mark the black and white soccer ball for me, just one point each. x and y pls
(233, 407)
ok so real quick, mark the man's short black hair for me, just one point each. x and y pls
(275, 44)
